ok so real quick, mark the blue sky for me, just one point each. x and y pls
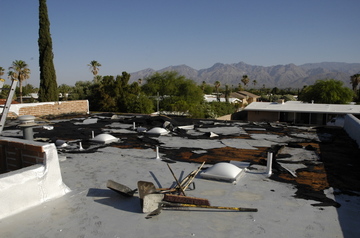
(133, 35)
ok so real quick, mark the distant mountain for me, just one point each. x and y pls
(281, 76)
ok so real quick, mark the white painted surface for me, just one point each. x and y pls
(352, 127)
(31, 186)
(304, 107)
(92, 210)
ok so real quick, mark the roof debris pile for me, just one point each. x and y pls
(153, 200)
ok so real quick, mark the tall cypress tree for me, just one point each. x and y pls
(48, 90)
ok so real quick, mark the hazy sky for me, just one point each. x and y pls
(131, 35)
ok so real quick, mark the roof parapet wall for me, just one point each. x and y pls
(352, 127)
(30, 186)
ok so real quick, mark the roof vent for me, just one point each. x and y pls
(105, 139)
(223, 171)
(157, 131)
(27, 119)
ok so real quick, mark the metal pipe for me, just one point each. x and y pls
(269, 163)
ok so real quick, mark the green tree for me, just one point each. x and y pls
(27, 90)
(97, 78)
(48, 90)
(116, 95)
(172, 88)
(81, 90)
(102, 96)
(327, 91)
(5, 92)
(208, 89)
(21, 73)
(275, 91)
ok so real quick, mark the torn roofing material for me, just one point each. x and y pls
(92, 210)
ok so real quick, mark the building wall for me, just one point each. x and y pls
(38, 181)
(49, 108)
(263, 116)
(352, 127)
(290, 117)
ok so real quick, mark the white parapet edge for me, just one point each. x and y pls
(31, 186)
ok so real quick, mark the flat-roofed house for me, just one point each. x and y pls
(298, 112)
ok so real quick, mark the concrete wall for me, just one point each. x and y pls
(29, 186)
(352, 127)
(49, 108)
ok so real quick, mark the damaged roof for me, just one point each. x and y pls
(313, 191)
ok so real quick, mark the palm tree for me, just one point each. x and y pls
(254, 82)
(217, 86)
(140, 81)
(11, 75)
(245, 80)
(94, 67)
(227, 93)
(203, 85)
(355, 80)
(21, 72)
(2, 70)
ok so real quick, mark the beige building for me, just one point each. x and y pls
(245, 97)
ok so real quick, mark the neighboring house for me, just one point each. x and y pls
(235, 97)
(212, 98)
(245, 97)
(249, 97)
(298, 112)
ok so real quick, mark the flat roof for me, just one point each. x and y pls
(286, 207)
(295, 106)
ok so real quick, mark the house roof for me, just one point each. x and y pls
(295, 106)
(248, 94)
(237, 95)
(93, 210)
(212, 98)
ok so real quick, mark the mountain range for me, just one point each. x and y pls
(281, 76)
